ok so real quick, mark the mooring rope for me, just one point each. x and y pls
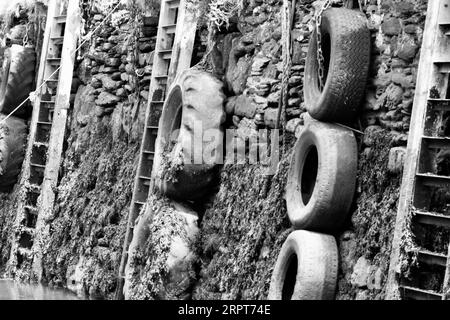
(32, 95)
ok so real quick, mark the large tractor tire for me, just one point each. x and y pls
(189, 147)
(13, 136)
(322, 177)
(17, 80)
(306, 268)
(346, 50)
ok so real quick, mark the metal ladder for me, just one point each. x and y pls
(173, 54)
(45, 144)
(422, 179)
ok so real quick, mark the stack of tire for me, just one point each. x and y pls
(16, 83)
(194, 107)
(322, 175)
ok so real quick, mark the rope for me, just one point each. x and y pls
(350, 128)
(32, 95)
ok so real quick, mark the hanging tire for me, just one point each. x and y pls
(322, 177)
(306, 268)
(13, 136)
(180, 170)
(17, 80)
(346, 49)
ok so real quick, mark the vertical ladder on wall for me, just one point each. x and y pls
(424, 205)
(47, 129)
(173, 54)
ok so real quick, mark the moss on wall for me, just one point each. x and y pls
(242, 232)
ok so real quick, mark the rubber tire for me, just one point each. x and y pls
(317, 267)
(200, 99)
(349, 63)
(13, 136)
(17, 80)
(332, 189)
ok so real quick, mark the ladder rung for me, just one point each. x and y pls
(420, 294)
(430, 218)
(51, 83)
(45, 123)
(173, 4)
(61, 19)
(37, 165)
(57, 40)
(164, 77)
(30, 231)
(147, 180)
(24, 251)
(139, 203)
(437, 142)
(439, 104)
(32, 209)
(165, 54)
(54, 61)
(153, 127)
(40, 144)
(157, 104)
(443, 66)
(150, 154)
(35, 188)
(432, 258)
(170, 28)
(433, 180)
(47, 101)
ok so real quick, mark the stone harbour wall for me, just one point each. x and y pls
(240, 238)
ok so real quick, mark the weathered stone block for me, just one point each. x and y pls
(397, 157)
(360, 273)
(244, 107)
(106, 99)
(391, 26)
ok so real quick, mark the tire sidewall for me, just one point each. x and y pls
(335, 183)
(314, 98)
(317, 257)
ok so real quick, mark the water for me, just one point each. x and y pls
(11, 290)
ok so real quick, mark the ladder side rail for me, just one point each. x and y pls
(184, 41)
(424, 76)
(446, 286)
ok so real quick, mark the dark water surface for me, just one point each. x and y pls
(12, 290)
